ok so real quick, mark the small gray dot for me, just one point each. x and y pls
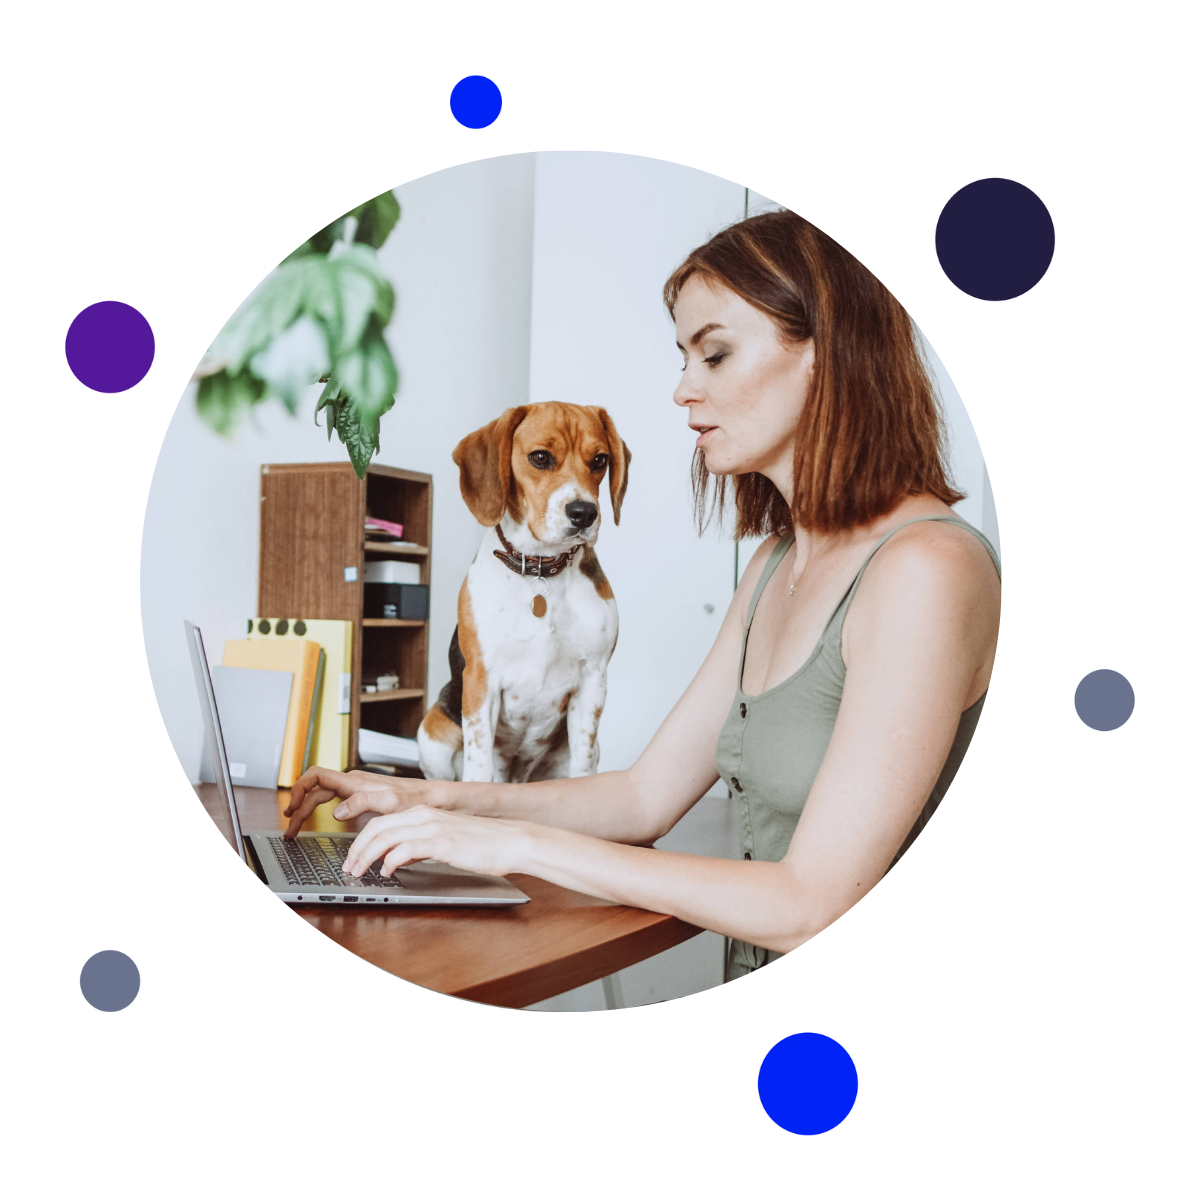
(1104, 700)
(110, 981)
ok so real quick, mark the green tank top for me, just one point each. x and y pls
(771, 745)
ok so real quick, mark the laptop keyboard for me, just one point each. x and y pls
(317, 861)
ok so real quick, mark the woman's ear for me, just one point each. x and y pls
(618, 465)
(484, 461)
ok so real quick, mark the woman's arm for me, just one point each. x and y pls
(925, 627)
(637, 805)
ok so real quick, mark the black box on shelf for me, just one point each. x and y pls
(403, 601)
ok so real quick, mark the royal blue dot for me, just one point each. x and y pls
(995, 239)
(1104, 700)
(110, 981)
(110, 346)
(807, 1083)
(475, 101)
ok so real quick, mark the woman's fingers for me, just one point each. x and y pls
(325, 783)
(353, 806)
(381, 834)
(410, 850)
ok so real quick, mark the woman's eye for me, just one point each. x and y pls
(715, 360)
(599, 462)
(541, 459)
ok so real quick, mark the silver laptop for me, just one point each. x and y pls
(307, 869)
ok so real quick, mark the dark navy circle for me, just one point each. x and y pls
(110, 346)
(475, 101)
(995, 239)
(807, 1083)
(1104, 700)
(110, 981)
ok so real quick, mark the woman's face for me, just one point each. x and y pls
(743, 388)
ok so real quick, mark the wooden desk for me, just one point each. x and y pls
(512, 956)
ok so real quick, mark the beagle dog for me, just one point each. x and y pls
(537, 622)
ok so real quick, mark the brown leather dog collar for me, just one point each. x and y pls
(540, 565)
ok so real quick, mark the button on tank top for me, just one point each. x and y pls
(771, 745)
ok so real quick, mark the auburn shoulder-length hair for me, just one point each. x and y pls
(871, 430)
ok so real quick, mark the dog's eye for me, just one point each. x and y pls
(599, 462)
(542, 459)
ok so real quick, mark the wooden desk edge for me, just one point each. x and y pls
(519, 990)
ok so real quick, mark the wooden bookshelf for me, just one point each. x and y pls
(391, 550)
(393, 694)
(312, 537)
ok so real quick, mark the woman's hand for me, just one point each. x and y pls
(488, 845)
(359, 791)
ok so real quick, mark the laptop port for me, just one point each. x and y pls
(325, 897)
(349, 899)
(369, 899)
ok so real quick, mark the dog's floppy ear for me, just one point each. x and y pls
(484, 461)
(618, 465)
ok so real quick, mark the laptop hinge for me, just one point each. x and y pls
(252, 857)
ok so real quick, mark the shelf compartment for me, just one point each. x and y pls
(392, 548)
(394, 694)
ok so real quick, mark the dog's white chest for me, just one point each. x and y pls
(576, 631)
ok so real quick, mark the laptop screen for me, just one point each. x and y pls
(213, 739)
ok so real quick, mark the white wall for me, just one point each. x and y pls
(608, 231)
(460, 262)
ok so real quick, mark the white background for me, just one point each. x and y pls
(1019, 999)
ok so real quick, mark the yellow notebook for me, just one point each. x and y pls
(300, 657)
(331, 732)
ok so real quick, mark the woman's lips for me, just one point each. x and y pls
(705, 431)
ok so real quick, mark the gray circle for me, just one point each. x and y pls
(1104, 700)
(110, 981)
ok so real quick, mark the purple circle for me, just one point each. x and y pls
(110, 346)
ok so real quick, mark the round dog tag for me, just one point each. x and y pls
(539, 606)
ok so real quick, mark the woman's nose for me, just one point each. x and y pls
(686, 392)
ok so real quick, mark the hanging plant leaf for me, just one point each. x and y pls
(360, 437)
(319, 316)
(222, 398)
(376, 219)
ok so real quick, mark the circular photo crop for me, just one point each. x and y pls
(570, 581)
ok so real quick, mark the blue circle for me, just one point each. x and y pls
(807, 1083)
(475, 101)
(1104, 700)
(110, 981)
(995, 239)
(110, 346)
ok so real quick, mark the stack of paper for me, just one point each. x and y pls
(379, 530)
(384, 748)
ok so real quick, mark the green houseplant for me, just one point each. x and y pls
(318, 317)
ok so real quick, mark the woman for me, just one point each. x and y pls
(836, 734)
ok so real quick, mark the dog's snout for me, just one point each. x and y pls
(581, 513)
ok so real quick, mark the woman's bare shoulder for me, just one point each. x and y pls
(931, 560)
(938, 548)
